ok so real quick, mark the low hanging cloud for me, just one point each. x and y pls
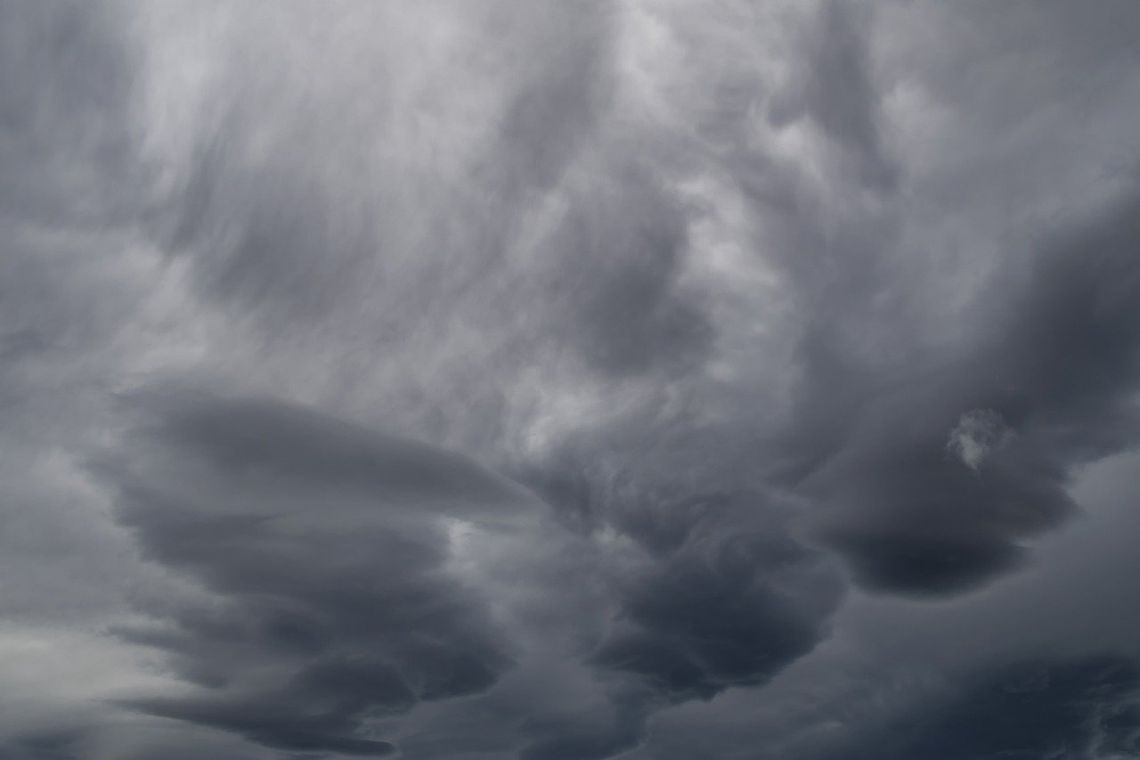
(322, 552)
(489, 379)
(333, 590)
(1061, 370)
(1082, 707)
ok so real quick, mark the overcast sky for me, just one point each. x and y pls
(569, 379)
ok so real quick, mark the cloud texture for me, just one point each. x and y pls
(566, 380)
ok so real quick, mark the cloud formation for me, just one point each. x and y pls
(324, 550)
(510, 379)
(1080, 708)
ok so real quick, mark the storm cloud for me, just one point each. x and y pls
(565, 380)
(1085, 707)
(327, 606)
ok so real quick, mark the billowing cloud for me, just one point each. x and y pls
(323, 551)
(1081, 708)
(1060, 370)
(498, 378)
(333, 585)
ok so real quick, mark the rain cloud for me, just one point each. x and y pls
(492, 379)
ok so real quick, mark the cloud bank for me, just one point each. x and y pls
(567, 380)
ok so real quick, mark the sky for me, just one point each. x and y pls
(569, 380)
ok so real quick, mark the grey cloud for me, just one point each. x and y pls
(302, 233)
(723, 592)
(559, 100)
(731, 603)
(279, 726)
(587, 736)
(623, 310)
(1039, 344)
(66, 152)
(1078, 707)
(68, 294)
(1060, 368)
(692, 634)
(329, 609)
(300, 225)
(48, 746)
(921, 522)
(281, 513)
(748, 293)
(836, 88)
(237, 436)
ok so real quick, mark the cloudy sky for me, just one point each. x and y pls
(569, 379)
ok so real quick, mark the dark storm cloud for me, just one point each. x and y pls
(293, 443)
(1057, 370)
(1074, 708)
(588, 737)
(329, 600)
(1048, 346)
(723, 594)
(49, 746)
(724, 605)
(316, 539)
(744, 291)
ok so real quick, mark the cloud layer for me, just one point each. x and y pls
(566, 380)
